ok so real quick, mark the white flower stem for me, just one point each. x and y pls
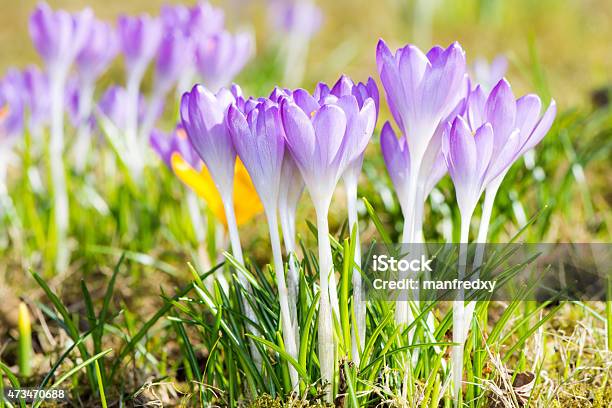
(232, 228)
(326, 333)
(58, 176)
(283, 296)
(403, 313)
(131, 123)
(197, 221)
(287, 221)
(81, 147)
(359, 306)
(481, 240)
(459, 309)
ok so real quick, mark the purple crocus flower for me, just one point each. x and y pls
(100, 49)
(11, 106)
(468, 157)
(36, 87)
(318, 137)
(11, 125)
(220, 57)
(422, 90)
(397, 160)
(324, 137)
(205, 20)
(290, 191)
(259, 140)
(359, 127)
(203, 117)
(165, 145)
(59, 36)
(200, 20)
(93, 60)
(139, 39)
(175, 16)
(174, 60)
(173, 57)
(504, 129)
(517, 125)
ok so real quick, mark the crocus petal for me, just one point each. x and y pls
(542, 128)
(259, 141)
(475, 112)
(397, 158)
(483, 139)
(203, 117)
(390, 77)
(504, 158)
(344, 86)
(501, 112)
(305, 101)
(299, 133)
(461, 156)
(329, 125)
(442, 83)
(527, 115)
(412, 66)
(246, 202)
(101, 47)
(321, 91)
(200, 183)
(434, 53)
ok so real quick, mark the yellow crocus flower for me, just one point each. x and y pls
(246, 201)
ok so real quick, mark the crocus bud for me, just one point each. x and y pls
(36, 87)
(220, 57)
(101, 47)
(12, 106)
(173, 58)
(203, 117)
(517, 125)
(59, 36)
(467, 158)
(139, 39)
(422, 89)
(259, 141)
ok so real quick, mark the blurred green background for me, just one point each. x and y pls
(570, 39)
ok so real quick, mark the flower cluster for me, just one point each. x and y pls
(293, 138)
(320, 135)
(449, 123)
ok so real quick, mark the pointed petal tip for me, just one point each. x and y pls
(382, 50)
